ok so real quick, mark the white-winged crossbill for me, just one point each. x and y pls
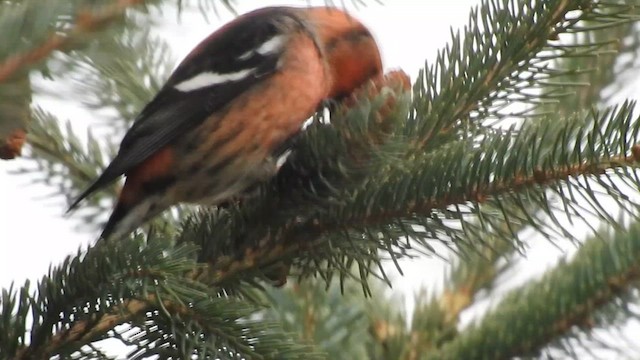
(225, 118)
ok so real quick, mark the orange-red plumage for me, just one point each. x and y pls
(349, 48)
(227, 113)
(157, 166)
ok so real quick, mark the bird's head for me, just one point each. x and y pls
(351, 51)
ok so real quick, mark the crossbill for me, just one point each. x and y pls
(226, 117)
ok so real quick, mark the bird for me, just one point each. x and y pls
(226, 117)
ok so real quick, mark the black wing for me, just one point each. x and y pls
(233, 49)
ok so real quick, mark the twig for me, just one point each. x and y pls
(85, 331)
(85, 22)
(308, 236)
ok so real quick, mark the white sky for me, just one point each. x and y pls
(34, 234)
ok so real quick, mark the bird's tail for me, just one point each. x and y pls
(127, 217)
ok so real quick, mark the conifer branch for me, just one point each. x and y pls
(478, 195)
(571, 296)
(470, 274)
(83, 300)
(86, 21)
(503, 68)
(84, 331)
(296, 237)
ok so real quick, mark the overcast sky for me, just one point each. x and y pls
(34, 234)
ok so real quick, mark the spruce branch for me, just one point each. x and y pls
(122, 73)
(84, 299)
(336, 317)
(87, 21)
(504, 56)
(571, 296)
(478, 268)
(305, 237)
(50, 32)
(66, 162)
(471, 273)
(86, 331)
(597, 71)
(436, 316)
(514, 167)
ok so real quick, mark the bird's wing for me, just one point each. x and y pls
(229, 62)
